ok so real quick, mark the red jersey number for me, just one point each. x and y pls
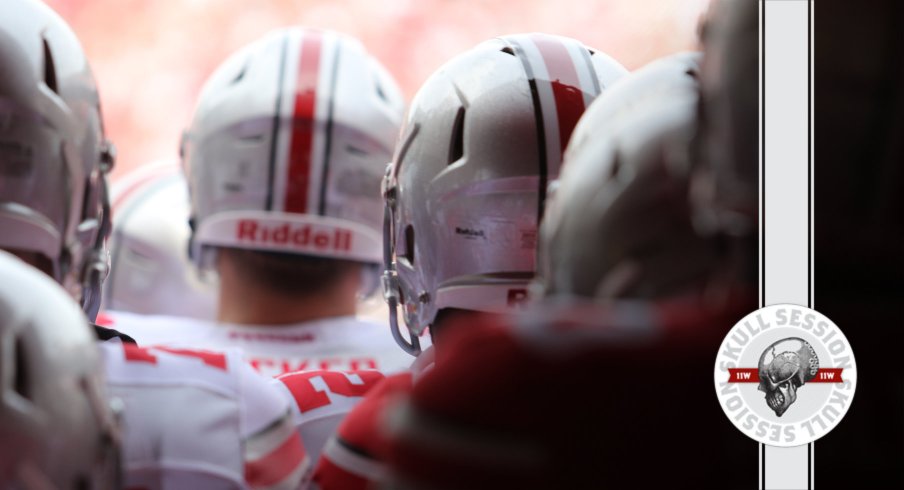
(308, 396)
(146, 354)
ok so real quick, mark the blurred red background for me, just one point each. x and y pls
(150, 57)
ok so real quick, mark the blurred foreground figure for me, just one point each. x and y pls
(57, 429)
(464, 196)
(605, 382)
(54, 214)
(284, 158)
(150, 272)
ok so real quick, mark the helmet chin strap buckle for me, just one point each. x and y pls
(390, 282)
(391, 293)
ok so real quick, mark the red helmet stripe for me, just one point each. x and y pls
(303, 124)
(566, 86)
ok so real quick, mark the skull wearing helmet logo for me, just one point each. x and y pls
(784, 367)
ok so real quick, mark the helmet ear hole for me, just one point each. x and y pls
(22, 385)
(241, 75)
(457, 145)
(409, 244)
(616, 166)
(50, 77)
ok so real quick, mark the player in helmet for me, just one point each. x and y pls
(53, 195)
(57, 429)
(54, 215)
(464, 196)
(284, 158)
(466, 190)
(603, 379)
(150, 272)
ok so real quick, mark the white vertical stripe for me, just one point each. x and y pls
(547, 100)
(785, 191)
(321, 113)
(582, 67)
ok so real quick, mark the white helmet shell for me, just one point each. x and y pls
(466, 188)
(150, 272)
(53, 157)
(619, 223)
(288, 145)
(57, 429)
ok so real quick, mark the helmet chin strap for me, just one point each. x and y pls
(390, 280)
(91, 292)
(97, 264)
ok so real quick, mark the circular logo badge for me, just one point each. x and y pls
(785, 375)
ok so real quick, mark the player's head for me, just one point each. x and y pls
(284, 157)
(150, 272)
(621, 266)
(619, 224)
(57, 429)
(466, 188)
(53, 155)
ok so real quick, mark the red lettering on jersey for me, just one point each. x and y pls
(287, 367)
(144, 354)
(368, 363)
(308, 397)
(284, 366)
(324, 364)
(212, 359)
(256, 363)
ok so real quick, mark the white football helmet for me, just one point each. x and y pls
(150, 272)
(287, 148)
(57, 429)
(53, 155)
(619, 224)
(466, 188)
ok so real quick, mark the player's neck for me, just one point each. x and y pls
(241, 303)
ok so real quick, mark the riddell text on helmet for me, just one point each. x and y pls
(305, 236)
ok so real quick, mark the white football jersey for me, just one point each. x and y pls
(320, 400)
(201, 419)
(337, 344)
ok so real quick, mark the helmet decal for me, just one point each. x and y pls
(298, 175)
(563, 83)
